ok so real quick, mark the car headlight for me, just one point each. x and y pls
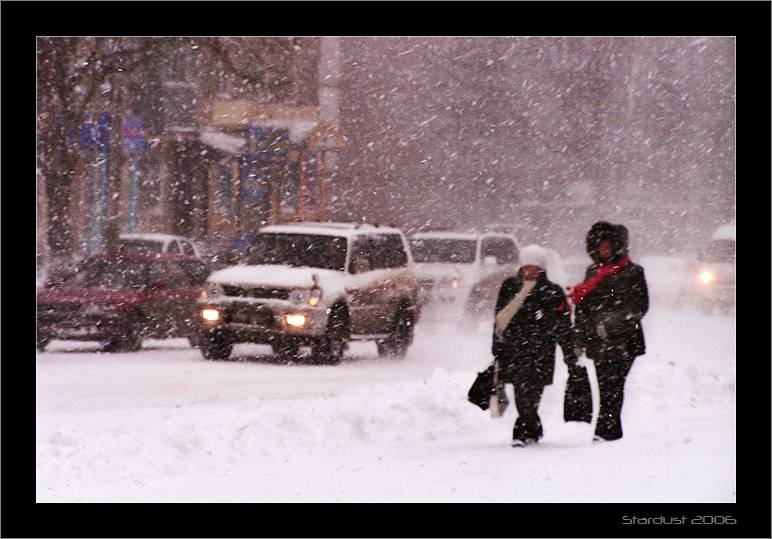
(450, 282)
(210, 315)
(296, 320)
(306, 296)
(212, 290)
(706, 277)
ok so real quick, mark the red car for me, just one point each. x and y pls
(120, 299)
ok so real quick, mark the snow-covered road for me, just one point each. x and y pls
(163, 424)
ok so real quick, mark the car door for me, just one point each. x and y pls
(393, 281)
(161, 300)
(360, 295)
(183, 292)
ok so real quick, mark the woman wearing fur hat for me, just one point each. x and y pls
(530, 320)
(608, 308)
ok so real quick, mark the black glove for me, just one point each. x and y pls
(571, 356)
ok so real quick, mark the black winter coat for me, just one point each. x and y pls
(526, 348)
(619, 302)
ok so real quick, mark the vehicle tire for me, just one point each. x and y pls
(330, 347)
(215, 346)
(400, 338)
(42, 341)
(286, 349)
(131, 341)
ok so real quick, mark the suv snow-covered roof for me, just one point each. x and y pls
(328, 228)
(447, 234)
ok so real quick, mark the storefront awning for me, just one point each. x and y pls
(223, 141)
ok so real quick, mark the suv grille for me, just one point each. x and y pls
(259, 292)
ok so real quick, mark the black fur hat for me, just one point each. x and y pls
(617, 235)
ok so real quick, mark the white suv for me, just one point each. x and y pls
(313, 284)
(460, 273)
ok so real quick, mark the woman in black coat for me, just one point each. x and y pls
(608, 308)
(524, 342)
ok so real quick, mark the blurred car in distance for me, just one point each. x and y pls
(120, 299)
(313, 284)
(460, 273)
(158, 243)
(712, 278)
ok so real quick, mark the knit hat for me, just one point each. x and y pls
(533, 255)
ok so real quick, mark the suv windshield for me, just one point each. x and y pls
(109, 274)
(298, 250)
(443, 250)
(721, 251)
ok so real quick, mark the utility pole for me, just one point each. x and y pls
(329, 106)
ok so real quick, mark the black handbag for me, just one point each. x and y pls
(577, 404)
(485, 387)
(482, 388)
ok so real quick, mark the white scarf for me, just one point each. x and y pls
(505, 315)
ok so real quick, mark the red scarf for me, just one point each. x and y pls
(581, 290)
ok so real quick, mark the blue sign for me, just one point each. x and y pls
(267, 142)
(94, 133)
(254, 185)
(134, 140)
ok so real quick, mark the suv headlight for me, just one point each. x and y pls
(306, 296)
(212, 290)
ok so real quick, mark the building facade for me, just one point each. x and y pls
(204, 145)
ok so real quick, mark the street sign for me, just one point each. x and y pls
(134, 140)
(94, 132)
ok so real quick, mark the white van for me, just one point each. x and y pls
(460, 273)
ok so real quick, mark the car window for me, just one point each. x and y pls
(388, 251)
(298, 250)
(442, 250)
(503, 249)
(140, 246)
(361, 255)
(721, 251)
(187, 248)
(109, 274)
(173, 247)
